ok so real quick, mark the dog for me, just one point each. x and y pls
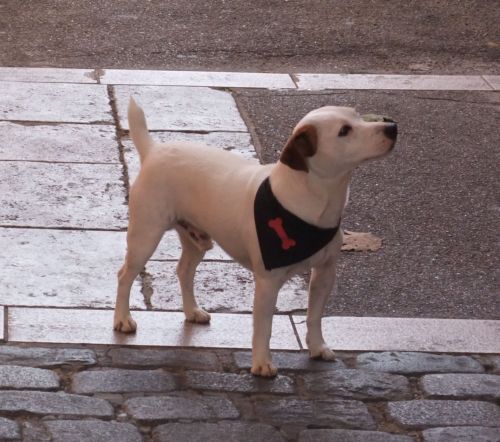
(256, 213)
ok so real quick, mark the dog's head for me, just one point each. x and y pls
(332, 140)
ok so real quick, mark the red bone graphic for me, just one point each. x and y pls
(277, 225)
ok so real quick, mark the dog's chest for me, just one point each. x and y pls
(285, 239)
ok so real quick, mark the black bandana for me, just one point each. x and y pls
(284, 238)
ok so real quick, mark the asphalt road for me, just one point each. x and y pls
(398, 36)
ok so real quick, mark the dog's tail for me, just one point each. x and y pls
(139, 129)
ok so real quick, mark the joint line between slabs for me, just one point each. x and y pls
(295, 331)
(487, 82)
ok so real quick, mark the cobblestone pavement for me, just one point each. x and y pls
(123, 394)
(65, 167)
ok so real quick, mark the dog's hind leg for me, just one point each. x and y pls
(194, 246)
(146, 228)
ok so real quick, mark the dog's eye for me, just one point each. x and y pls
(344, 130)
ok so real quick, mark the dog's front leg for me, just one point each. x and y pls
(320, 287)
(266, 294)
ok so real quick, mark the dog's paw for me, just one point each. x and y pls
(127, 325)
(322, 352)
(266, 369)
(198, 315)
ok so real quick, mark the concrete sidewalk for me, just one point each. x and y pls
(66, 163)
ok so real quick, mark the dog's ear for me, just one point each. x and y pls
(301, 145)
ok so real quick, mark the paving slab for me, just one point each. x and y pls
(47, 75)
(216, 432)
(62, 195)
(327, 412)
(240, 383)
(419, 414)
(164, 358)
(9, 429)
(46, 357)
(351, 436)
(92, 431)
(14, 377)
(154, 329)
(436, 259)
(123, 381)
(63, 404)
(197, 78)
(162, 408)
(397, 82)
(417, 363)
(74, 143)
(358, 384)
(78, 268)
(493, 81)
(408, 334)
(220, 287)
(181, 108)
(239, 143)
(55, 102)
(461, 434)
(461, 386)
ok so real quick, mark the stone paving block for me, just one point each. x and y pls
(9, 430)
(78, 268)
(419, 414)
(160, 408)
(200, 78)
(401, 82)
(331, 413)
(216, 432)
(238, 143)
(182, 108)
(60, 143)
(154, 329)
(408, 334)
(19, 378)
(46, 357)
(461, 386)
(493, 80)
(220, 287)
(417, 363)
(165, 358)
(461, 434)
(358, 384)
(92, 431)
(241, 383)
(296, 361)
(62, 195)
(34, 431)
(123, 381)
(55, 102)
(351, 436)
(63, 404)
(47, 75)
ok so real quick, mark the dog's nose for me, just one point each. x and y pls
(391, 131)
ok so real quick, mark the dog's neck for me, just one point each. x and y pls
(318, 201)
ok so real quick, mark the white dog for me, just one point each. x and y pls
(276, 220)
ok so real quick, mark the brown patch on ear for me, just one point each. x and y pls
(300, 146)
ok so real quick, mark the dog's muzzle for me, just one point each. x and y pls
(391, 131)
